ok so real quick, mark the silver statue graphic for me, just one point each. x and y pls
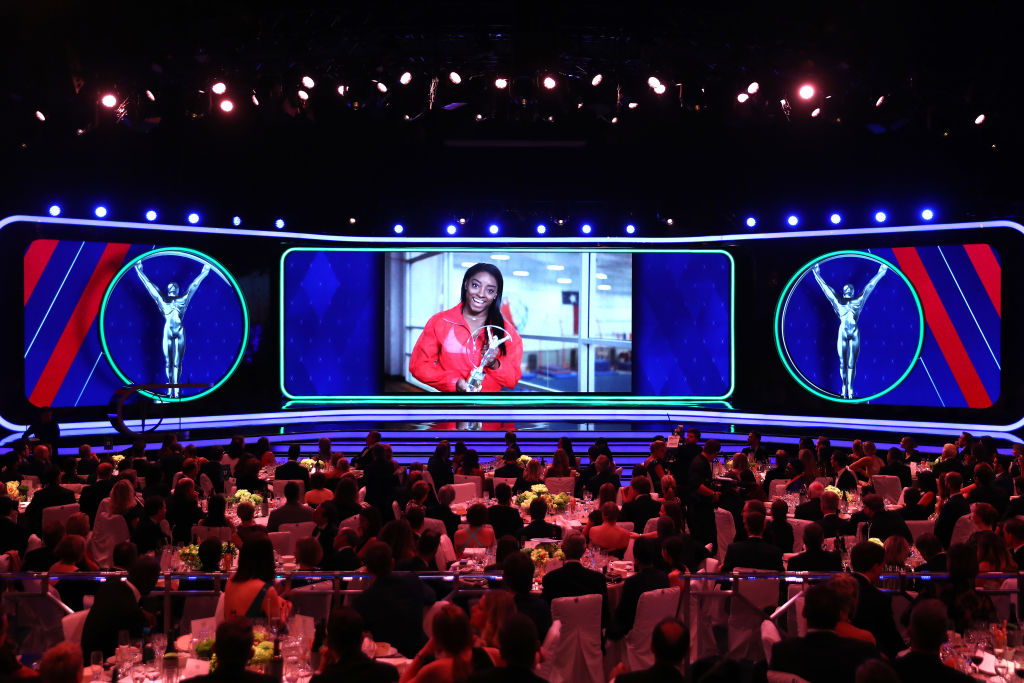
(848, 307)
(476, 377)
(172, 308)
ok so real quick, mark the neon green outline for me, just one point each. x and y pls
(520, 398)
(784, 354)
(241, 299)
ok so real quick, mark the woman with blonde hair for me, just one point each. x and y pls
(488, 615)
(559, 465)
(849, 591)
(533, 474)
(449, 655)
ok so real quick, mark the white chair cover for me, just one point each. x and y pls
(283, 542)
(434, 525)
(107, 531)
(31, 481)
(651, 526)
(511, 481)
(465, 492)
(313, 601)
(197, 607)
(797, 624)
(445, 553)
(205, 485)
(798, 533)
(279, 485)
(577, 658)
(747, 609)
(221, 533)
(1002, 602)
(396, 509)
(888, 486)
(229, 462)
(59, 513)
(726, 526)
(918, 527)
(218, 613)
(628, 554)
(206, 625)
(546, 667)
(560, 485)
(104, 505)
(362, 494)
(777, 488)
(473, 479)
(73, 625)
(74, 488)
(635, 647)
(706, 610)
(902, 494)
(350, 522)
(628, 526)
(784, 677)
(298, 530)
(963, 529)
(769, 636)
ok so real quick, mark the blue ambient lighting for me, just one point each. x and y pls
(279, 223)
(836, 219)
(55, 210)
(151, 215)
(751, 222)
(399, 228)
(880, 217)
(193, 218)
(927, 215)
(793, 220)
(101, 211)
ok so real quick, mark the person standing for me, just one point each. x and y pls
(702, 497)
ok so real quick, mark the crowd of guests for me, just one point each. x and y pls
(156, 499)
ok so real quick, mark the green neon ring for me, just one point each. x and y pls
(222, 271)
(784, 354)
(503, 398)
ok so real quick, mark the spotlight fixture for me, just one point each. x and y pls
(341, 90)
(405, 78)
(541, 229)
(55, 210)
(753, 88)
(193, 218)
(585, 228)
(279, 223)
(669, 221)
(742, 97)
(659, 89)
(452, 229)
(454, 77)
(806, 91)
(500, 83)
(40, 115)
(308, 82)
(751, 222)
(979, 120)
(630, 229)
(303, 95)
(219, 88)
(236, 221)
(352, 220)
(835, 219)
(653, 82)
(151, 215)
(927, 215)
(255, 100)
(100, 211)
(550, 83)
(816, 113)
(493, 229)
(596, 80)
(380, 86)
(880, 216)
(793, 221)
(399, 228)
(879, 101)
(227, 106)
(109, 101)
(150, 96)
(462, 221)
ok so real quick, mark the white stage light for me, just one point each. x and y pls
(653, 82)
(751, 222)
(836, 219)
(806, 91)
(564, 280)
(308, 82)
(100, 211)
(109, 101)
(880, 216)
(500, 83)
(550, 83)
(630, 229)
(753, 88)
(303, 95)
(151, 215)
(227, 106)
(454, 77)
(927, 214)
(193, 218)
(150, 96)
(816, 113)
(793, 221)
(659, 89)
(493, 229)
(452, 229)
(980, 119)
(236, 221)
(382, 87)
(55, 210)
(405, 78)
(596, 80)
(585, 228)
(219, 88)
(279, 224)
(255, 100)
(40, 115)
(399, 228)
(879, 101)
(541, 229)
(742, 97)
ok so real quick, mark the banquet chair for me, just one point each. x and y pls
(918, 527)
(353, 522)
(628, 526)
(777, 488)
(469, 479)
(59, 513)
(706, 600)
(313, 600)
(560, 485)
(888, 486)
(963, 529)
(283, 542)
(769, 636)
(798, 533)
(1002, 602)
(651, 526)
(229, 462)
(73, 624)
(750, 603)
(797, 624)
(577, 658)
(107, 532)
(445, 553)
(298, 530)
(465, 492)
(511, 481)
(635, 647)
(546, 668)
(74, 488)
(726, 526)
(279, 485)
(435, 525)
(221, 533)
(195, 608)
(396, 509)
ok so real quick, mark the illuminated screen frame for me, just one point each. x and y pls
(234, 286)
(516, 398)
(786, 359)
(679, 414)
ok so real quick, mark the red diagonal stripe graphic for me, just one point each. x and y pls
(949, 341)
(36, 257)
(985, 262)
(78, 325)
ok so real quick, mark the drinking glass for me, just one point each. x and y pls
(1002, 668)
(159, 643)
(96, 661)
(291, 668)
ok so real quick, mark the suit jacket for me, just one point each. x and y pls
(753, 553)
(938, 563)
(659, 673)
(540, 529)
(573, 579)
(392, 607)
(898, 469)
(215, 472)
(885, 524)
(289, 513)
(816, 561)
(847, 481)
(537, 609)
(182, 515)
(46, 497)
(821, 657)
(874, 613)
(779, 534)
(595, 483)
(953, 509)
(645, 580)
(359, 669)
(918, 667)
(445, 514)
(639, 510)
(13, 537)
(1014, 508)
(991, 494)
(833, 525)
(509, 470)
(115, 609)
(1004, 482)
(148, 536)
(441, 471)
(292, 470)
(505, 520)
(810, 510)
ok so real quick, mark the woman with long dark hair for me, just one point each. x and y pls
(453, 342)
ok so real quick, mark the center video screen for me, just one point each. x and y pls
(509, 321)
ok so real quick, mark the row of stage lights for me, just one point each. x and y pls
(792, 220)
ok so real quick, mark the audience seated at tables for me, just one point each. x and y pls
(183, 511)
(778, 531)
(247, 477)
(504, 518)
(1013, 534)
(670, 645)
(216, 513)
(440, 466)
(291, 469)
(318, 492)
(510, 468)
(117, 607)
(392, 605)
(930, 548)
(682, 555)
(11, 668)
(325, 516)
(489, 614)
(753, 552)
(470, 464)
(366, 455)
(507, 545)
(642, 507)
(519, 645)
(250, 593)
(953, 508)
(233, 647)
(874, 608)
(538, 528)
(897, 467)
(778, 471)
(443, 510)
(346, 497)
(50, 495)
(573, 579)
(815, 558)
(821, 656)
(831, 523)
(560, 466)
(12, 535)
(477, 533)
(609, 535)
(848, 590)
(70, 552)
(912, 509)
(292, 512)
(647, 578)
(344, 659)
(883, 523)
(600, 472)
(425, 559)
(247, 527)
(984, 490)
(517, 571)
(927, 634)
(449, 656)
(345, 557)
(533, 474)
(150, 534)
(43, 557)
(812, 508)
(398, 535)
(897, 552)
(62, 663)
(985, 518)
(993, 556)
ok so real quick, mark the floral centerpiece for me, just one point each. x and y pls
(557, 502)
(117, 459)
(189, 556)
(244, 496)
(544, 552)
(262, 650)
(313, 464)
(843, 495)
(17, 491)
(523, 460)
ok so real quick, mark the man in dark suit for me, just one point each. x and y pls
(41, 559)
(955, 507)
(348, 663)
(778, 471)
(874, 608)
(755, 451)
(647, 578)
(50, 495)
(1004, 480)
(927, 634)
(821, 656)
(603, 474)
(812, 508)
(510, 469)
(985, 491)
(930, 547)
(504, 519)
(443, 510)
(366, 455)
(642, 507)
(896, 467)
(116, 608)
(701, 497)
(831, 523)
(292, 512)
(149, 535)
(538, 528)
(754, 552)
(214, 470)
(517, 576)
(882, 523)
(292, 470)
(1013, 532)
(393, 604)
(845, 479)
(572, 579)
(814, 558)
(685, 454)
(670, 644)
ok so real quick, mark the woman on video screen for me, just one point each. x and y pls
(450, 348)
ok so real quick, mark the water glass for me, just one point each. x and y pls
(158, 641)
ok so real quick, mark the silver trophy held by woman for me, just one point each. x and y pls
(494, 342)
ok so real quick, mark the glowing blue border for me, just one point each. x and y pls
(452, 413)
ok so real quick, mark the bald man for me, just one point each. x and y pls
(812, 508)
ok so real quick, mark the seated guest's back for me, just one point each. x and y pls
(292, 512)
(573, 579)
(518, 577)
(538, 528)
(443, 510)
(647, 578)
(670, 644)
(116, 608)
(814, 558)
(927, 634)
(755, 552)
(344, 642)
(233, 647)
(778, 531)
(609, 535)
(519, 645)
(642, 507)
(291, 469)
(504, 518)
(477, 533)
(450, 656)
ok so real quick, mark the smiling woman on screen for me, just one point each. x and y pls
(454, 343)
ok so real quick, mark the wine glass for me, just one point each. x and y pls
(96, 662)
(291, 669)
(158, 641)
(1002, 668)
